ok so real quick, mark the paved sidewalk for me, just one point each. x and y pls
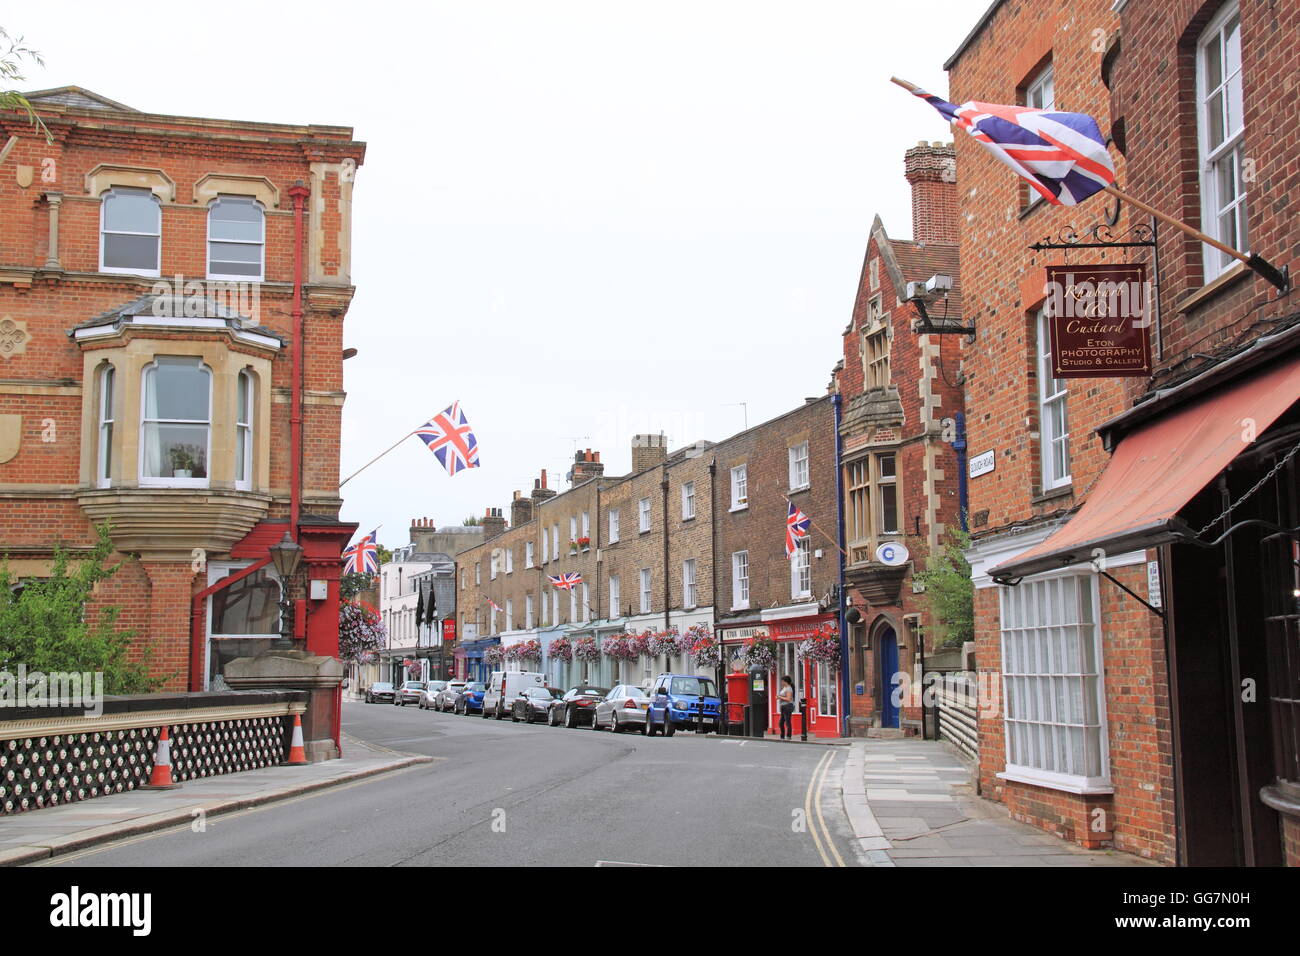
(912, 803)
(41, 834)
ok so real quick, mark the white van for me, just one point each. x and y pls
(504, 687)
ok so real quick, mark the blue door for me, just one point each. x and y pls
(888, 668)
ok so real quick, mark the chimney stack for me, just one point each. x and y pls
(494, 523)
(521, 510)
(586, 465)
(931, 168)
(648, 451)
(540, 491)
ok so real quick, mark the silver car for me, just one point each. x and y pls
(445, 700)
(429, 692)
(623, 708)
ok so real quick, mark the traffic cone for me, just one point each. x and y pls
(297, 755)
(160, 778)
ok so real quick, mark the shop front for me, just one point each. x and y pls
(817, 682)
(471, 663)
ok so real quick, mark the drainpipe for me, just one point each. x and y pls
(299, 192)
(959, 446)
(668, 616)
(836, 405)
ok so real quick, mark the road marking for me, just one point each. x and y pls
(826, 831)
(622, 863)
(808, 814)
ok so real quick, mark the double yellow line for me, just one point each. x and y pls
(821, 840)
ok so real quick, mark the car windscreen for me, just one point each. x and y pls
(381, 686)
(414, 685)
(553, 692)
(698, 686)
(589, 692)
(437, 684)
(475, 688)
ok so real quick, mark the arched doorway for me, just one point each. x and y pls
(887, 644)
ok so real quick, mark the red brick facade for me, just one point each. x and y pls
(66, 319)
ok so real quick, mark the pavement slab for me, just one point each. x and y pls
(912, 803)
(39, 835)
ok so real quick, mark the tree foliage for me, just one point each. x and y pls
(12, 53)
(43, 623)
(949, 591)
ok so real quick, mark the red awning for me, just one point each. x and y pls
(1157, 469)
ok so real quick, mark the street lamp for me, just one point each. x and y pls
(286, 556)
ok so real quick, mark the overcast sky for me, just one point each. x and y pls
(582, 220)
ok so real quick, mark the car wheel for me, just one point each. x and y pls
(669, 729)
(650, 723)
(595, 720)
(570, 719)
(499, 714)
(614, 728)
(645, 728)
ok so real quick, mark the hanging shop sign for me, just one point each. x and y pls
(448, 629)
(1099, 318)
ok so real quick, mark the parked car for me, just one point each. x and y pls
(470, 698)
(504, 686)
(408, 693)
(623, 708)
(575, 708)
(683, 701)
(380, 692)
(534, 703)
(446, 698)
(429, 694)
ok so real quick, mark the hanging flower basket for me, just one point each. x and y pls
(619, 648)
(759, 652)
(703, 647)
(664, 642)
(822, 647)
(638, 643)
(494, 655)
(585, 649)
(525, 651)
(560, 649)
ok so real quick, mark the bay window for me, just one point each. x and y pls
(244, 431)
(175, 422)
(104, 459)
(871, 503)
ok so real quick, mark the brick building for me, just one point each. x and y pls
(1201, 473)
(901, 394)
(759, 591)
(172, 296)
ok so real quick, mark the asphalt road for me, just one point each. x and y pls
(518, 795)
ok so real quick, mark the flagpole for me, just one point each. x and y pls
(375, 459)
(813, 524)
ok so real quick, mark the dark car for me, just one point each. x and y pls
(576, 707)
(470, 698)
(534, 703)
(381, 692)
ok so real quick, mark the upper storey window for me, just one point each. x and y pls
(236, 239)
(1221, 137)
(130, 231)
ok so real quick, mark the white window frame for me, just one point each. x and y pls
(555, 607)
(644, 519)
(573, 605)
(613, 526)
(586, 524)
(573, 530)
(801, 569)
(555, 541)
(123, 270)
(147, 481)
(492, 567)
(478, 573)
(528, 554)
(615, 596)
(244, 429)
(688, 584)
(1040, 94)
(528, 612)
(1029, 696)
(1227, 157)
(216, 571)
(492, 620)
(799, 466)
(647, 591)
(586, 602)
(546, 546)
(739, 580)
(688, 500)
(260, 243)
(1051, 392)
(740, 487)
(545, 607)
(510, 559)
(510, 614)
(107, 420)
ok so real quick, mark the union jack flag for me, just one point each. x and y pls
(1061, 155)
(566, 581)
(363, 556)
(796, 526)
(449, 437)
(495, 606)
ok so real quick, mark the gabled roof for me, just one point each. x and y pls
(77, 98)
(907, 260)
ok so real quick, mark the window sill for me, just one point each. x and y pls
(198, 484)
(1064, 491)
(795, 491)
(740, 607)
(688, 517)
(1084, 786)
(735, 508)
(1212, 288)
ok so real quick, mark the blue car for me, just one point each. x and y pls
(683, 702)
(470, 699)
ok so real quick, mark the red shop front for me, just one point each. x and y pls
(819, 682)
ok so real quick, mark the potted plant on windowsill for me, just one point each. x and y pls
(584, 543)
(183, 462)
(573, 546)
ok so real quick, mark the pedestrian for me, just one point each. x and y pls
(785, 697)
